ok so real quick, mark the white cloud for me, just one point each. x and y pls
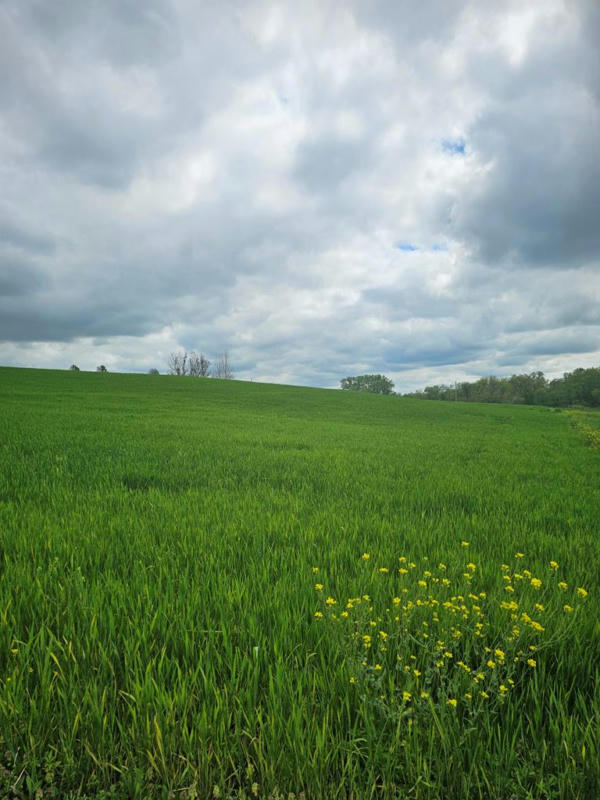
(319, 189)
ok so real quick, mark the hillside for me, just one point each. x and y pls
(160, 542)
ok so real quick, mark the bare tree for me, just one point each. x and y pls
(198, 365)
(177, 363)
(222, 367)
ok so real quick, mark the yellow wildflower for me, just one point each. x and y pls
(532, 662)
(554, 565)
(365, 556)
(452, 702)
(471, 567)
(353, 680)
(318, 586)
(536, 583)
(464, 544)
(383, 570)
(318, 614)
(582, 592)
(406, 697)
(562, 585)
(330, 601)
(519, 555)
(568, 608)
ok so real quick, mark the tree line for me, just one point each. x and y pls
(580, 387)
(374, 384)
(192, 364)
(196, 365)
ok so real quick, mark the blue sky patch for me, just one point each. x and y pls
(406, 246)
(455, 147)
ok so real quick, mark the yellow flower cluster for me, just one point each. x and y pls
(440, 640)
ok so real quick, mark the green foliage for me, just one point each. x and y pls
(580, 387)
(375, 384)
(158, 546)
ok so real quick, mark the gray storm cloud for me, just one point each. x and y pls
(321, 189)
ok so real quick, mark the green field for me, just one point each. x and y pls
(162, 629)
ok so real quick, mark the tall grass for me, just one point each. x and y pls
(160, 543)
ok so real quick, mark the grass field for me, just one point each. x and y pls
(219, 589)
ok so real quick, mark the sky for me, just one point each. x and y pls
(321, 189)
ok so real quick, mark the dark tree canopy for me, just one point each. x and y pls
(376, 384)
(580, 387)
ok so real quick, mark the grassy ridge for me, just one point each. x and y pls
(157, 596)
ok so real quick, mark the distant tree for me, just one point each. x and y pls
(198, 365)
(153, 371)
(184, 363)
(527, 389)
(177, 363)
(222, 367)
(101, 368)
(74, 368)
(375, 384)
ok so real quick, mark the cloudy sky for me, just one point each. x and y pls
(321, 188)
